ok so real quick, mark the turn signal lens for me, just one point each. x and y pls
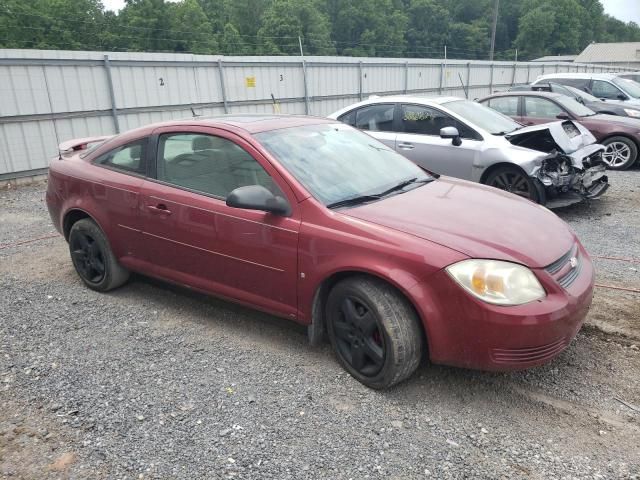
(497, 282)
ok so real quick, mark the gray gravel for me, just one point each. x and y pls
(150, 381)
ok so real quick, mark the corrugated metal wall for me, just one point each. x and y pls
(49, 96)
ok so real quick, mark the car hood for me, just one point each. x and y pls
(473, 219)
(566, 136)
(632, 123)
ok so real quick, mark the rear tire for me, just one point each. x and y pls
(514, 180)
(93, 259)
(374, 331)
(620, 153)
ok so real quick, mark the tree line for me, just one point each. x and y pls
(382, 28)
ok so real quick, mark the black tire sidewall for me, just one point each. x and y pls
(91, 228)
(632, 146)
(535, 194)
(362, 291)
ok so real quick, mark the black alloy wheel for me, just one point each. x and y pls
(92, 257)
(513, 180)
(358, 337)
(374, 331)
(87, 257)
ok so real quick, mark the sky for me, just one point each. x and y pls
(625, 10)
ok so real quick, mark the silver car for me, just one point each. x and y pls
(555, 164)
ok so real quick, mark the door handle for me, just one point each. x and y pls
(405, 146)
(160, 208)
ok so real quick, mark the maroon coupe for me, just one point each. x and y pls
(312, 220)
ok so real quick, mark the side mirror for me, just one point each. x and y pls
(452, 133)
(256, 197)
(622, 96)
(563, 116)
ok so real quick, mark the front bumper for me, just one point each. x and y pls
(466, 332)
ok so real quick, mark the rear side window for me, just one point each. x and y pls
(208, 164)
(541, 108)
(348, 118)
(581, 83)
(127, 158)
(376, 118)
(505, 105)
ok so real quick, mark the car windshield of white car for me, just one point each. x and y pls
(337, 163)
(629, 86)
(486, 118)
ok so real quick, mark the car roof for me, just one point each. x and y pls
(579, 75)
(249, 123)
(525, 93)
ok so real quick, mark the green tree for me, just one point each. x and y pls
(428, 28)
(231, 43)
(190, 28)
(286, 20)
(146, 26)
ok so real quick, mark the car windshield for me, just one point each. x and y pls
(582, 94)
(574, 106)
(336, 162)
(484, 117)
(629, 86)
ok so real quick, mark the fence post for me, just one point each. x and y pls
(360, 80)
(528, 73)
(441, 78)
(306, 88)
(491, 80)
(222, 87)
(513, 77)
(406, 77)
(468, 78)
(114, 110)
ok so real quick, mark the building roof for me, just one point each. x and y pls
(555, 58)
(610, 52)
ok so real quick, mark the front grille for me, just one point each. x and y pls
(556, 266)
(516, 356)
(570, 277)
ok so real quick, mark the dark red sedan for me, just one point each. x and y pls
(314, 221)
(620, 135)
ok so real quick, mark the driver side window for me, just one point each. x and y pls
(605, 90)
(208, 164)
(428, 121)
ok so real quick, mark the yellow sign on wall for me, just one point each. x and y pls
(250, 82)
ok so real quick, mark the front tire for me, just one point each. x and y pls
(514, 180)
(93, 259)
(374, 331)
(620, 153)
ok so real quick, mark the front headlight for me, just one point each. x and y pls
(632, 112)
(497, 282)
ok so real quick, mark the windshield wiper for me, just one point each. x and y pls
(348, 202)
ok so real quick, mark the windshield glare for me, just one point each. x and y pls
(574, 106)
(629, 86)
(336, 162)
(484, 117)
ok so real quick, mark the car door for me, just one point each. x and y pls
(377, 120)
(419, 140)
(192, 236)
(538, 110)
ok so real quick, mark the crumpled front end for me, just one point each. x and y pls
(569, 179)
(573, 170)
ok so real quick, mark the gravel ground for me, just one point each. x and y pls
(151, 381)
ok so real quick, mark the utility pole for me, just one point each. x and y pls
(493, 30)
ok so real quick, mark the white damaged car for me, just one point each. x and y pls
(555, 164)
